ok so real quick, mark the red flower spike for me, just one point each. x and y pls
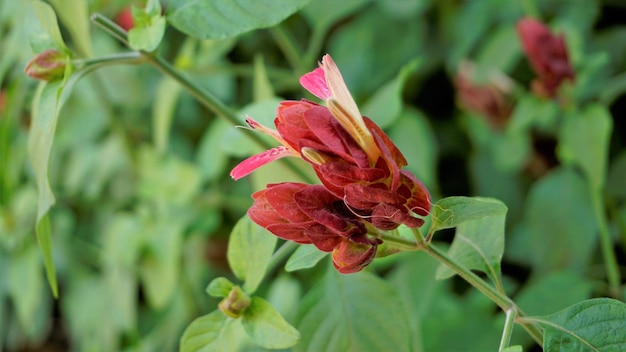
(360, 168)
(547, 54)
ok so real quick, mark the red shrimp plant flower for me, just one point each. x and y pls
(547, 54)
(360, 169)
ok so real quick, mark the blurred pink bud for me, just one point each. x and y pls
(547, 54)
(489, 99)
(125, 18)
(49, 65)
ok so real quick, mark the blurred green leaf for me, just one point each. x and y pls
(322, 14)
(25, 286)
(213, 332)
(414, 136)
(437, 299)
(616, 181)
(478, 245)
(284, 294)
(403, 9)
(45, 34)
(250, 249)
(262, 87)
(75, 17)
(516, 348)
(214, 19)
(584, 141)
(339, 315)
(47, 104)
(593, 325)
(369, 33)
(500, 50)
(165, 99)
(306, 256)
(167, 178)
(149, 27)
(385, 105)
(160, 269)
(267, 327)
(561, 225)
(219, 287)
(452, 211)
(552, 292)
(210, 156)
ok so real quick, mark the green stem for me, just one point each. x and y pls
(399, 242)
(115, 59)
(606, 244)
(498, 298)
(509, 323)
(285, 250)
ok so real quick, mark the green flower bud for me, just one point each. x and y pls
(49, 65)
(235, 303)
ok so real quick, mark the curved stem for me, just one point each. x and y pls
(133, 57)
(509, 323)
(285, 250)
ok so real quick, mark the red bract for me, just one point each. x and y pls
(547, 54)
(352, 156)
(311, 214)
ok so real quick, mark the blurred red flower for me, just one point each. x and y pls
(547, 54)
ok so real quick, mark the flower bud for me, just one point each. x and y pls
(49, 65)
(235, 303)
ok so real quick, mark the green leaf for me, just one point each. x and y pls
(478, 245)
(149, 27)
(592, 325)
(306, 256)
(415, 137)
(385, 105)
(356, 312)
(47, 104)
(284, 294)
(46, 34)
(75, 17)
(250, 249)
(213, 332)
(211, 158)
(584, 141)
(166, 97)
(262, 87)
(516, 348)
(617, 175)
(219, 287)
(267, 327)
(216, 19)
(561, 225)
(500, 49)
(452, 211)
(160, 269)
(322, 14)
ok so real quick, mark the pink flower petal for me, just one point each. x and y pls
(315, 82)
(256, 161)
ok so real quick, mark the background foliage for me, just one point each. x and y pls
(143, 204)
